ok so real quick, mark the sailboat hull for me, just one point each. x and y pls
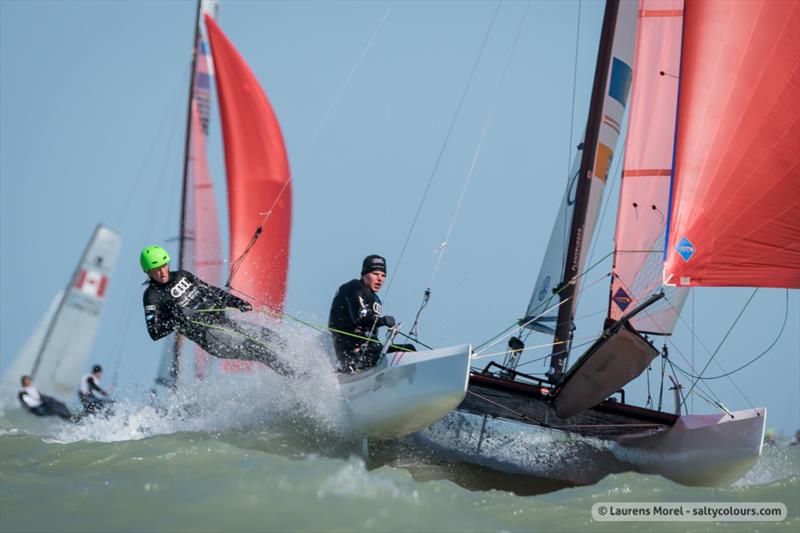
(511, 427)
(701, 449)
(406, 392)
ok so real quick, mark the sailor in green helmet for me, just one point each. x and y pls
(180, 301)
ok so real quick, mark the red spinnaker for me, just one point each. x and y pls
(736, 192)
(258, 176)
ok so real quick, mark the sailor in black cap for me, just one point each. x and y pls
(356, 315)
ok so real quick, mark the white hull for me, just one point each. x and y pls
(406, 392)
(703, 450)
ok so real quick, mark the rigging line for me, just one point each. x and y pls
(695, 336)
(318, 327)
(574, 87)
(759, 356)
(487, 123)
(579, 276)
(349, 77)
(135, 184)
(536, 347)
(590, 340)
(442, 149)
(708, 389)
(492, 341)
(235, 265)
(713, 355)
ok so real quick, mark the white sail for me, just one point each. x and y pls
(27, 356)
(614, 101)
(64, 351)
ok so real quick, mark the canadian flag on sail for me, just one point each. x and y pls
(92, 282)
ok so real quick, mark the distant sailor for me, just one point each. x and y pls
(90, 383)
(39, 404)
(356, 314)
(180, 301)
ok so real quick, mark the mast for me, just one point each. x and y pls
(176, 349)
(566, 291)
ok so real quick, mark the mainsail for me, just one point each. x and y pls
(580, 208)
(57, 356)
(647, 170)
(735, 214)
(259, 187)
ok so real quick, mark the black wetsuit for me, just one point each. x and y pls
(49, 406)
(356, 309)
(192, 307)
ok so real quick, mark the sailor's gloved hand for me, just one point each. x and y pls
(244, 307)
(387, 321)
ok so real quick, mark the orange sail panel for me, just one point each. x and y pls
(735, 216)
(258, 176)
(647, 171)
(201, 246)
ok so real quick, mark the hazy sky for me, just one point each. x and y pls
(92, 117)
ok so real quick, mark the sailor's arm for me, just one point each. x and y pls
(225, 298)
(159, 321)
(93, 386)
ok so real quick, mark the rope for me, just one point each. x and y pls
(352, 73)
(759, 356)
(487, 123)
(235, 265)
(318, 327)
(442, 150)
(574, 86)
(713, 355)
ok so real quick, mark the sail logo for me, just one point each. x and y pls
(92, 283)
(622, 299)
(685, 249)
(181, 287)
(543, 290)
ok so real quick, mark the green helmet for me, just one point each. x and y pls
(153, 257)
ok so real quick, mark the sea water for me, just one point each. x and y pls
(263, 453)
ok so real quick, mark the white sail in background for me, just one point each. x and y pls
(58, 352)
(27, 356)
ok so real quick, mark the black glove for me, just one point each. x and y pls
(387, 321)
(244, 306)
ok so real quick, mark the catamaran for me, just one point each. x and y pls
(405, 392)
(710, 197)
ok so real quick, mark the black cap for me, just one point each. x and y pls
(373, 263)
(96, 369)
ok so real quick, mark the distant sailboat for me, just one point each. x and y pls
(257, 180)
(732, 221)
(57, 353)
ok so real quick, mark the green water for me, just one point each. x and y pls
(110, 477)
